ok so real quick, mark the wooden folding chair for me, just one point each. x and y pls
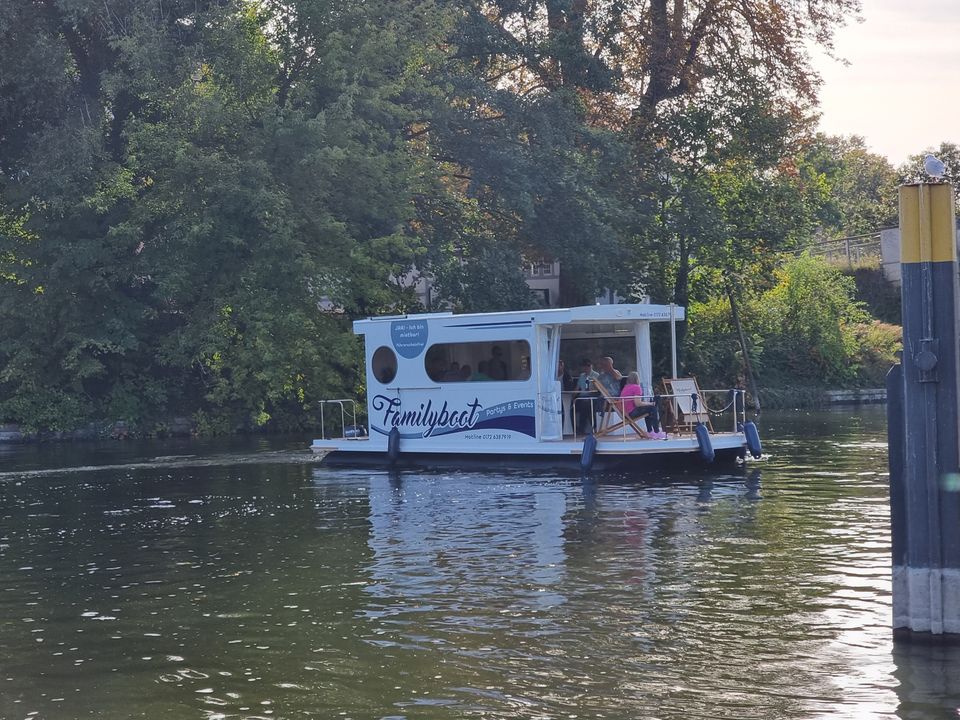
(689, 406)
(610, 404)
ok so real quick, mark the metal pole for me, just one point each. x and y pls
(673, 339)
(925, 438)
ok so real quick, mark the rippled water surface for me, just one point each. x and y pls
(244, 581)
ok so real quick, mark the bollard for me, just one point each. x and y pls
(923, 428)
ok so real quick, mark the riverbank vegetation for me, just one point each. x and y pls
(197, 196)
(810, 333)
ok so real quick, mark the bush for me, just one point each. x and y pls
(877, 344)
(712, 349)
(879, 295)
(806, 334)
(807, 322)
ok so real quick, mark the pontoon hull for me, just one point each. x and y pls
(678, 453)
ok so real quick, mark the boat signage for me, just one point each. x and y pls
(427, 419)
(409, 337)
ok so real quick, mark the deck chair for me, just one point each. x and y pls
(614, 404)
(688, 404)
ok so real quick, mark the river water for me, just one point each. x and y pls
(241, 580)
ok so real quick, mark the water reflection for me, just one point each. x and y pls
(929, 681)
(610, 591)
(276, 589)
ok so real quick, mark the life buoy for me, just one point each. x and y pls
(753, 438)
(393, 445)
(703, 440)
(586, 455)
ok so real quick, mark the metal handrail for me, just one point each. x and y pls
(739, 410)
(343, 420)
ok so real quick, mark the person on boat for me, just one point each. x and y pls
(585, 401)
(453, 372)
(466, 373)
(634, 406)
(567, 384)
(496, 367)
(481, 373)
(609, 376)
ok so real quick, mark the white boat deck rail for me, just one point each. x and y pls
(738, 416)
(343, 403)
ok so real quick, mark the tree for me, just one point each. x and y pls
(623, 73)
(192, 192)
(863, 196)
(196, 197)
(520, 167)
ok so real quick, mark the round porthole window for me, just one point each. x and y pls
(384, 365)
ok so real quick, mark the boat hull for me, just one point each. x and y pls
(649, 455)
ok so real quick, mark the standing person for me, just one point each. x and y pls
(632, 405)
(496, 367)
(609, 376)
(567, 385)
(584, 401)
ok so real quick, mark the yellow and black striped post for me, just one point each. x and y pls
(924, 433)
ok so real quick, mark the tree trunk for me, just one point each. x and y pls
(751, 380)
(681, 295)
(565, 24)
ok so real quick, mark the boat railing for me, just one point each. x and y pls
(348, 407)
(733, 402)
(735, 399)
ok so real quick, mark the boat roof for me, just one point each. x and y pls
(623, 312)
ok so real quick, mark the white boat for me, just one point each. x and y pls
(445, 388)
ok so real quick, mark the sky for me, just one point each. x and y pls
(901, 89)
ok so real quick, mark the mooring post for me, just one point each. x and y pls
(923, 427)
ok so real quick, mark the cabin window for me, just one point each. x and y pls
(478, 361)
(384, 365)
(623, 350)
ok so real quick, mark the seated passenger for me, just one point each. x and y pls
(609, 376)
(636, 408)
(481, 373)
(466, 373)
(453, 372)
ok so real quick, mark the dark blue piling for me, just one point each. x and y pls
(895, 455)
(923, 429)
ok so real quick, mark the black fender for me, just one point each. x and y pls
(703, 440)
(753, 438)
(393, 445)
(589, 450)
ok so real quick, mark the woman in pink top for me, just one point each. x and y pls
(636, 408)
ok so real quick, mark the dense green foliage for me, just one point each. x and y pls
(197, 197)
(809, 331)
(863, 185)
